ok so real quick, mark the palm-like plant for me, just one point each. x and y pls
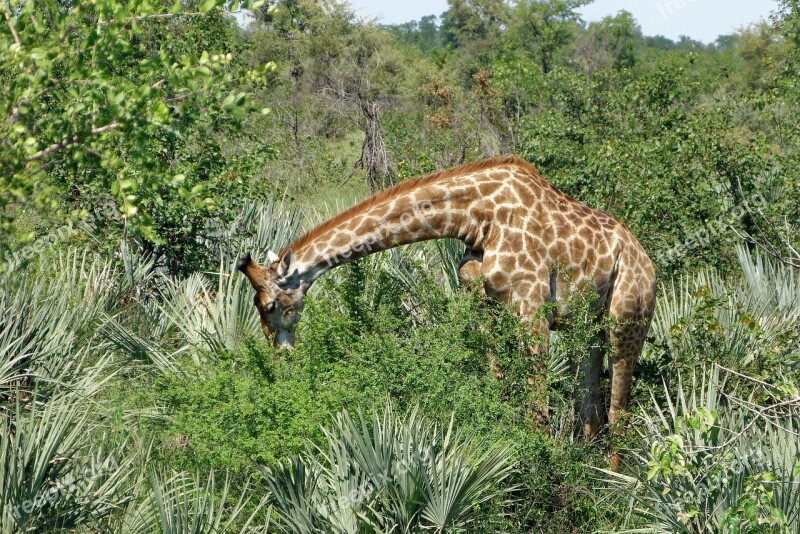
(179, 503)
(50, 319)
(742, 323)
(769, 286)
(259, 227)
(389, 474)
(209, 316)
(60, 466)
(56, 363)
(715, 461)
(441, 258)
(43, 483)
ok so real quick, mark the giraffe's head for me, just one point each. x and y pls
(279, 295)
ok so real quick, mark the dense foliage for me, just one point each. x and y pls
(147, 144)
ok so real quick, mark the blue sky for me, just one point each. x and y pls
(703, 20)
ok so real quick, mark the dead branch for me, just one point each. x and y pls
(70, 141)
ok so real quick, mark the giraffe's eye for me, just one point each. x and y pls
(266, 308)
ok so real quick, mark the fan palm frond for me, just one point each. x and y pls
(179, 503)
(210, 317)
(389, 473)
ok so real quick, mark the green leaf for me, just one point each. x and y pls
(653, 471)
(38, 53)
(207, 5)
(229, 101)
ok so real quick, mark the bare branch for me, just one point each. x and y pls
(71, 141)
(11, 26)
(792, 259)
(15, 112)
(168, 15)
(761, 413)
(746, 377)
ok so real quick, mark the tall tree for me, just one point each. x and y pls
(617, 35)
(473, 21)
(362, 78)
(285, 32)
(543, 27)
(339, 66)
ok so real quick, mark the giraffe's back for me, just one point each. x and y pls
(538, 229)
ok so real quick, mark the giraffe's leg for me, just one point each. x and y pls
(538, 397)
(627, 340)
(592, 406)
(631, 309)
(525, 290)
(470, 268)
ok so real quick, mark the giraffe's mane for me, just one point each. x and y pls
(402, 188)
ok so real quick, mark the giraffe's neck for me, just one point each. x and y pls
(414, 211)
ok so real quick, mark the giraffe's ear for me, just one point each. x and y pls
(251, 270)
(244, 262)
(272, 257)
(288, 275)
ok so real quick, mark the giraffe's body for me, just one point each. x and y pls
(527, 241)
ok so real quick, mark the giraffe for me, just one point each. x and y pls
(528, 242)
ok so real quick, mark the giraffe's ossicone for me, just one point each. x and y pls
(529, 243)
